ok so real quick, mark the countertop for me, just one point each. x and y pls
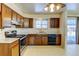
(8, 40)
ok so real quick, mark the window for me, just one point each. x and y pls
(41, 23)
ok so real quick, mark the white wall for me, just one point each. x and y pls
(63, 28)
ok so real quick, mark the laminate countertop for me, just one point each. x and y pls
(8, 40)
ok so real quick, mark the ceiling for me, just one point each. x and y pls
(33, 8)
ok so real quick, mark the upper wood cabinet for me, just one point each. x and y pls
(30, 22)
(6, 12)
(0, 7)
(6, 16)
(13, 15)
(54, 22)
(0, 17)
(22, 21)
(0, 22)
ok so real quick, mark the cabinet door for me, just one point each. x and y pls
(38, 40)
(15, 50)
(27, 40)
(44, 40)
(54, 22)
(13, 16)
(0, 17)
(31, 40)
(30, 22)
(22, 21)
(58, 39)
(6, 16)
(0, 7)
(57, 21)
(0, 22)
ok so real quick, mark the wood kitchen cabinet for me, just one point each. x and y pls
(54, 22)
(45, 40)
(15, 48)
(27, 40)
(0, 17)
(14, 15)
(31, 40)
(6, 16)
(58, 39)
(38, 39)
(0, 7)
(9, 49)
(22, 21)
(30, 22)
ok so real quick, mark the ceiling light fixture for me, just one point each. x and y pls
(51, 7)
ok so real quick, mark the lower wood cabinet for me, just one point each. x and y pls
(9, 49)
(58, 39)
(45, 40)
(15, 50)
(31, 40)
(37, 40)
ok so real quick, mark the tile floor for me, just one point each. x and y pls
(71, 50)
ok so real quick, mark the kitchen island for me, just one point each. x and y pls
(9, 47)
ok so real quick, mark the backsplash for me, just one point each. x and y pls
(2, 35)
(33, 30)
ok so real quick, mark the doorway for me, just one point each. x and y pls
(71, 30)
